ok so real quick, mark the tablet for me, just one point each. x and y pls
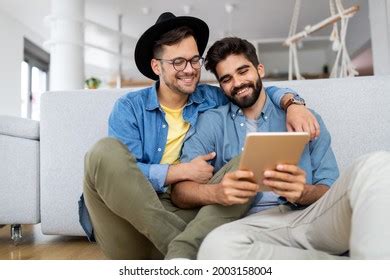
(264, 150)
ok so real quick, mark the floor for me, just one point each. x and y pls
(36, 246)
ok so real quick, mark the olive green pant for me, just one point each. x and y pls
(131, 221)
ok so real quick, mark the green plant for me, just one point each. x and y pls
(93, 83)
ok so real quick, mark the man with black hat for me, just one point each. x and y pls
(127, 176)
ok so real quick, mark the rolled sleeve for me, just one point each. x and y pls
(323, 160)
(276, 94)
(326, 182)
(156, 174)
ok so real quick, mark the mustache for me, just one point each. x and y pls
(240, 87)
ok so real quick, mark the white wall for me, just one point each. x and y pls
(358, 33)
(310, 60)
(312, 57)
(12, 33)
(380, 32)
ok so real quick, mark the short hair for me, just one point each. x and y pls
(172, 37)
(228, 46)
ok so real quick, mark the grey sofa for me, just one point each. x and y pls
(355, 110)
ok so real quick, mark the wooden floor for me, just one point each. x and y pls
(36, 246)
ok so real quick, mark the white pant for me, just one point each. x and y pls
(353, 215)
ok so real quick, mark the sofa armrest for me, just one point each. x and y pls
(19, 172)
(19, 127)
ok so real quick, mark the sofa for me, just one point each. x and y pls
(355, 110)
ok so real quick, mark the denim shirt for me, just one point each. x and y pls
(138, 121)
(223, 130)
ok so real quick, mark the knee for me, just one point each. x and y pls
(377, 159)
(370, 171)
(102, 149)
(216, 244)
(103, 154)
(372, 164)
(234, 163)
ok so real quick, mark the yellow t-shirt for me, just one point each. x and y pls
(177, 129)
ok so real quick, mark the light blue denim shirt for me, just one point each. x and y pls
(223, 130)
(138, 121)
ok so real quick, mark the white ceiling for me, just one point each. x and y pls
(250, 19)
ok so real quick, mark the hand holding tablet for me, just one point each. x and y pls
(265, 150)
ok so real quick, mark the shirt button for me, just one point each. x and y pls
(265, 117)
(159, 149)
(233, 115)
(242, 124)
(164, 125)
(239, 111)
(242, 148)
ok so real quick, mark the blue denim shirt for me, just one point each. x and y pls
(223, 131)
(138, 121)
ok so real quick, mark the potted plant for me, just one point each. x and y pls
(93, 83)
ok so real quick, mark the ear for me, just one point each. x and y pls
(155, 66)
(261, 70)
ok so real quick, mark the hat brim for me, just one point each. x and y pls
(143, 53)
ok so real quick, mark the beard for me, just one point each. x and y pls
(246, 101)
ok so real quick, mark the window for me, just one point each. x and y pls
(34, 79)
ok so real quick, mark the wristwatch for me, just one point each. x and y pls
(296, 101)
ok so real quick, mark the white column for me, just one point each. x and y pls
(379, 13)
(66, 44)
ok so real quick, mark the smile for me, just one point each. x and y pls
(243, 91)
(187, 80)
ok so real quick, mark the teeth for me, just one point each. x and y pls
(242, 91)
(187, 79)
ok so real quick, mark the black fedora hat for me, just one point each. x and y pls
(167, 21)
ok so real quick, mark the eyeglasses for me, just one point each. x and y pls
(180, 63)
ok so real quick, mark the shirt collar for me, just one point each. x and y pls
(234, 110)
(152, 99)
(153, 103)
(196, 97)
(268, 107)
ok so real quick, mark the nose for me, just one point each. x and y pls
(237, 82)
(188, 68)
